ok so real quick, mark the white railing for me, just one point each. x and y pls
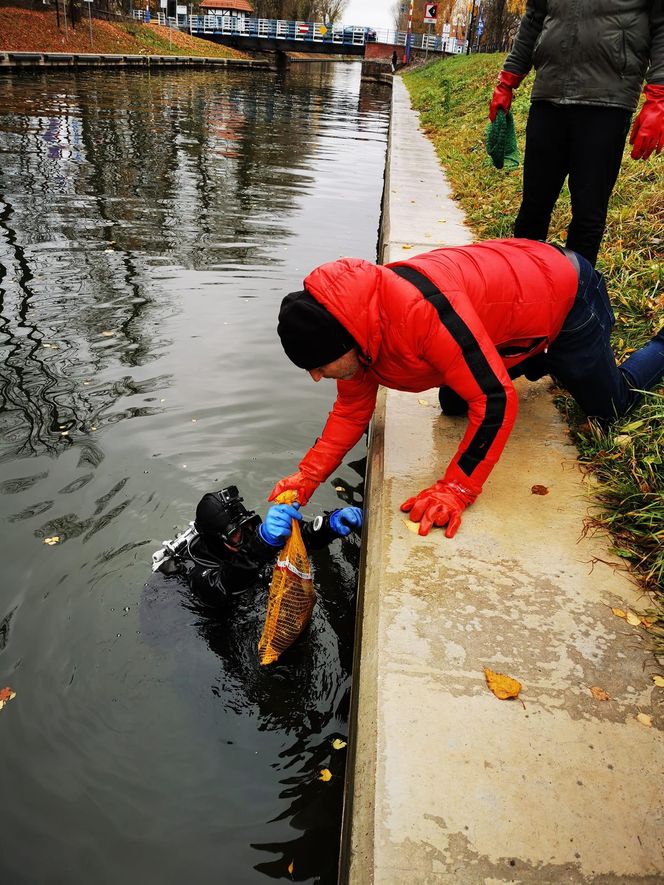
(308, 32)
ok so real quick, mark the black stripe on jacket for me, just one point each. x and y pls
(486, 378)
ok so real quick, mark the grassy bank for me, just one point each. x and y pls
(452, 97)
(29, 30)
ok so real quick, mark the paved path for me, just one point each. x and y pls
(447, 784)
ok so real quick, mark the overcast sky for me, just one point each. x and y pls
(369, 13)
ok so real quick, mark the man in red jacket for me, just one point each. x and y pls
(466, 319)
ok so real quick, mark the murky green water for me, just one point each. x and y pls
(149, 226)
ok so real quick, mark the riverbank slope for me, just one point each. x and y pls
(28, 30)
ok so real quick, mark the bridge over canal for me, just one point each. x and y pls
(300, 36)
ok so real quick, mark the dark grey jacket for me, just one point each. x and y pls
(590, 51)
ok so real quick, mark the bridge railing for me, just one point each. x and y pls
(307, 32)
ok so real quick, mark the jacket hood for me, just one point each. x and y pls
(350, 289)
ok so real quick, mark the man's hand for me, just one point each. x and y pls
(648, 130)
(441, 504)
(343, 521)
(278, 525)
(502, 94)
(298, 482)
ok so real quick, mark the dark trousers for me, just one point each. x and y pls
(581, 358)
(580, 141)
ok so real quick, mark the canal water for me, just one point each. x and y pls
(149, 227)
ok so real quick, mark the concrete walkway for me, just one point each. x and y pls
(446, 783)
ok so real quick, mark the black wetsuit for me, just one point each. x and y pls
(214, 574)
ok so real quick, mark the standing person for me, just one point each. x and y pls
(395, 60)
(467, 318)
(590, 61)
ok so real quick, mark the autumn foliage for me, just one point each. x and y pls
(28, 30)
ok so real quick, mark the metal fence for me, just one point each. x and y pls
(307, 32)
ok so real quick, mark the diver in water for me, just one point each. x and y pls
(227, 546)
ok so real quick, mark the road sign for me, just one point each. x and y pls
(446, 29)
(430, 13)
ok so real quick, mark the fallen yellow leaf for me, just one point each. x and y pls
(644, 719)
(413, 527)
(53, 540)
(502, 686)
(325, 775)
(632, 619)
(599, 694)
(659, 681)
(338, 744)
(339, 489)
(290, 868)
(423, 402)
(108, 334)
(406, 246)
(618, 612)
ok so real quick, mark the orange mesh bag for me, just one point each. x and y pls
(292, 596)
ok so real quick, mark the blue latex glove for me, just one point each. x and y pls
(277, 527)
(344, 521)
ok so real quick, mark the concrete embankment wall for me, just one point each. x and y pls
(43, 60)
(446, 783)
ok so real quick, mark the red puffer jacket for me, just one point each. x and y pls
(502, 301)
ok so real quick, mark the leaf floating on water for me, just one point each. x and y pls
(632, 619)
(325, 775)
(290, 868)
(659, 681)
(6, 694)
(55, 539)
(618, 612)
(599, 694)
(644, 719)
(539, 490)
(339, 489)
(502, 686)
(338, 744)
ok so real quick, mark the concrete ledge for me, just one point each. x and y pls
(446, 783)
(27, 60)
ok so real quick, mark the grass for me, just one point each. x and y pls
(452, 97)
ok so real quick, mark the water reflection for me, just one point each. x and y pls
(149, 226)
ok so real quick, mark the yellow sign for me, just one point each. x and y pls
(322, 30)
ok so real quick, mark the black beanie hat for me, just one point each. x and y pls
(310, 335)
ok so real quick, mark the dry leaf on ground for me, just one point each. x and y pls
(325, 775)
(599, 694)
(659, 681)
(291, 868)
(618, 612)
(644, 719)
(338, 744)
(55, 539)
(502, 686)
(539, 490)
(632, 619)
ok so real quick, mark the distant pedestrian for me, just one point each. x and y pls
(395, 60)
(590, 61)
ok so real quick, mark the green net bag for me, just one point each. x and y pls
(500, 139)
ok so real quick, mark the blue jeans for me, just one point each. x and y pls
(582, 361)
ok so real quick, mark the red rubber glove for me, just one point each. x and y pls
(502, 94)
(441, 504)
(648, 130)
(299, 482)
